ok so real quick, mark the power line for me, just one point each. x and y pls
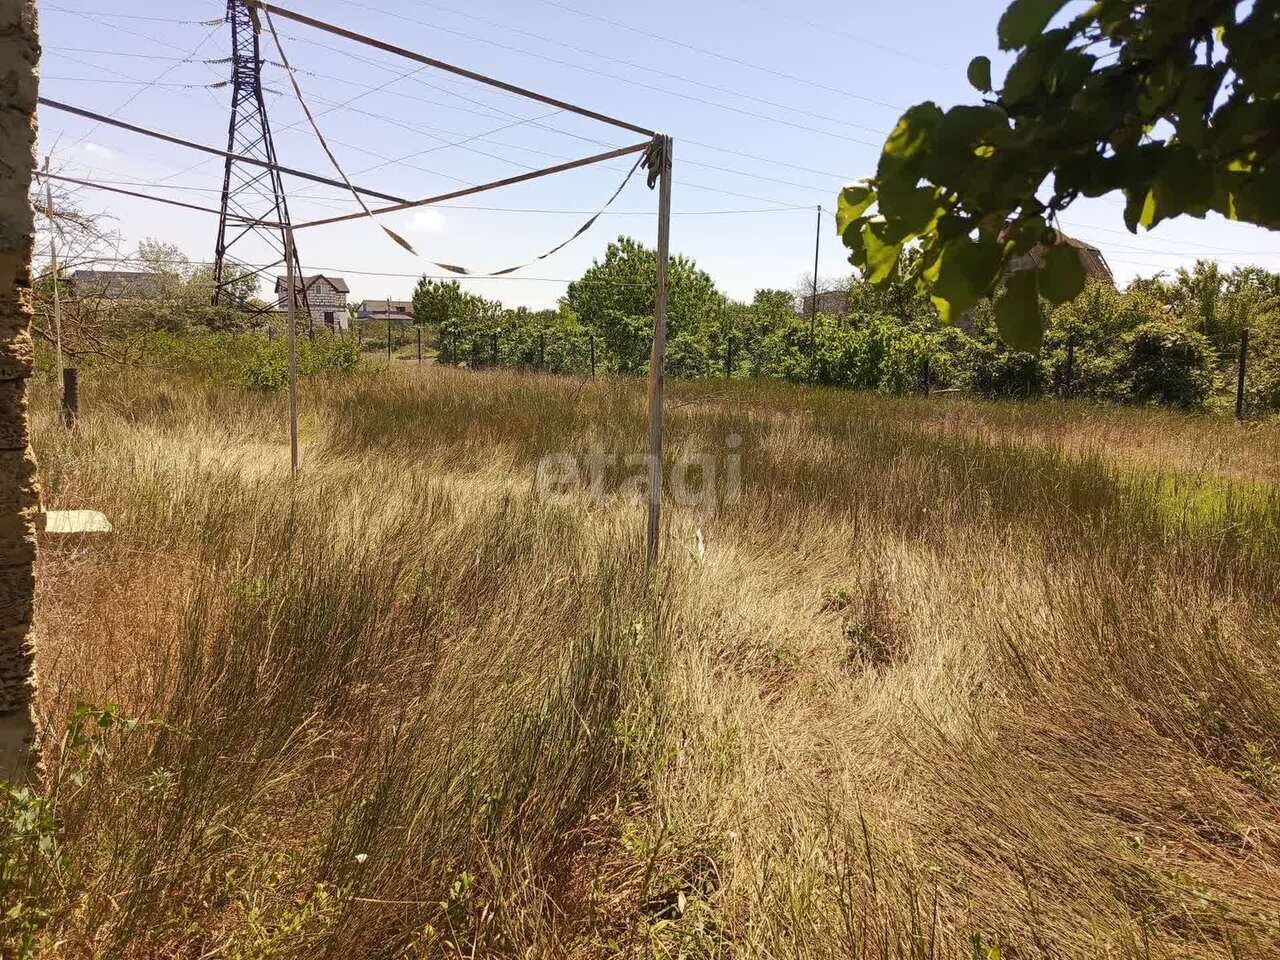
(719, 56)
(142, 196)
(488, 209)
(160, 77)
(132, 128)
(492, 110)
(555, 156)
(166, 85)
(127, 53)
(826, 29)
(325, 76)
(449, 67)
(128, 16)
(639, 83)
(1075, 225)
(535, 122)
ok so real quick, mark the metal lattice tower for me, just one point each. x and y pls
(253, 196)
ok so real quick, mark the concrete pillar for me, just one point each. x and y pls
(19, 495)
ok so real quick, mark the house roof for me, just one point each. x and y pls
(118, 282)
(1091, 258)
(308, 282)
(378, 308)
(122, 275)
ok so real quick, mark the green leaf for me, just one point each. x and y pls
(914, 211)
(980, 74)
(881, 254)
(1186, 184)
(1033, 70)
(1070, 72)
(1024, 20)
(1139, 208)
(1062, 275)
(962, 275)
(912, 131)
(906, 148)
(1018, 312)
(1025, 234)
(853, 203)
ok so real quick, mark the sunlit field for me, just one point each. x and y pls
(914, 678)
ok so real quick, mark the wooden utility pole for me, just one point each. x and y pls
(658, 355)
(293, 353)
(53, 264)
(813, 305)
(19, 492)
(388, 329)
(419, 345)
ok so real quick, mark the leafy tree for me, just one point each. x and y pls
(899, 296)
(239, 288)
(615, 300)
(1221, 304)
(765, 328)
(435, 302)
(1177, 104)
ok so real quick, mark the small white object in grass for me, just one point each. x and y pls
(702, 544)
(76, 521)
(361, 857)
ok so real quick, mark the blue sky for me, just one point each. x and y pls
(772, 109)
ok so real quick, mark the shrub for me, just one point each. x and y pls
(1263, 379)
(1161, 362)
(247, 359)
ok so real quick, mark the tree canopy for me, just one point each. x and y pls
(1176, 104)
(615, 297)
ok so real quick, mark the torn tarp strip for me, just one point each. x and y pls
(463, 271)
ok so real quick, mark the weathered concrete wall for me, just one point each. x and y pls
(19, 496)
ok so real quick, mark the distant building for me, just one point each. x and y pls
(832, 302)
(118, 284)
(327, 297)
(1091, 258)
(397, 310)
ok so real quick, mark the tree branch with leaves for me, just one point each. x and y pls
(1175, 104)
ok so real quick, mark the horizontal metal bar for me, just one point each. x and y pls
(521, 178)
(253, 161)
(148, 196)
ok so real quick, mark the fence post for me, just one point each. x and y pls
(928, 375)
(1244, 362)
(1069, 375)
(542, 351)
(388, 336)
(271, 334)
(728, 357)
(591, 340)
(495, 348)
(70, 395)
(359, 335)
(419, 345)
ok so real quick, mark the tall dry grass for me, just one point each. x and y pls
(918, 692)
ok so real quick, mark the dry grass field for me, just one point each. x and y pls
(943, 679)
